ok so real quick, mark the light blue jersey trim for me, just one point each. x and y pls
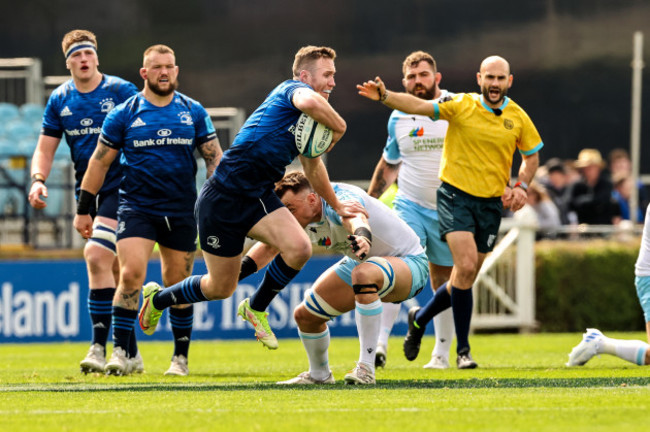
(506, 99)
(537, 148)
(436, 111)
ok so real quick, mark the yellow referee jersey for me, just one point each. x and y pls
(480, 145)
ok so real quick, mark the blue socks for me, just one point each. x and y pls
(123, 322)
(186, 291)
(181, 321)
(277, 276)
(462, 304)
(100, 308)
(441, 300)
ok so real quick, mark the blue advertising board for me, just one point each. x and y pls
(46, 301)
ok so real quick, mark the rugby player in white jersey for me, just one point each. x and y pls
(384, 262)
(412, 157)
(634, 351)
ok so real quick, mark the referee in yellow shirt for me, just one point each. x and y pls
(484, 132)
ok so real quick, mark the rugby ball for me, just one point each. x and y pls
(312, 138)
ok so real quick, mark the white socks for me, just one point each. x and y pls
(316, 345)
(388, 317)
(368, 318)
(445, 331)
(629, 350)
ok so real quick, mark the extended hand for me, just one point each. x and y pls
(38, 189)
(351, 208)
(372, 90)
(359, 245)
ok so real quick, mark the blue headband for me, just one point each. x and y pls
(79, 46)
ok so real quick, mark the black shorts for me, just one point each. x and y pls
(178, 233)
(106, 204)
(225, 218)
(460, 211)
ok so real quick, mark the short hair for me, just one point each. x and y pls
(308, 55)
(618, 153)
(415, 58)
(295, 181)
(159, 48)
(75, 36)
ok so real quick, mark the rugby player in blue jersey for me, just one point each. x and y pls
(239, 200)
(157, 132)
(77, 108)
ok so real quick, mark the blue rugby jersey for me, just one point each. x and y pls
(80, 116)
(264, 146)
(157, 158)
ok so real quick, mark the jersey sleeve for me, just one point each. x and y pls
(127, 90)
(203, 125)
(52, 125)
(391, 153)
(113, 128)
(446, 109)
(531, 141)
(342, 195)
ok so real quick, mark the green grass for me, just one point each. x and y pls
(521, 385)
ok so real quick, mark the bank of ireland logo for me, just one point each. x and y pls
(508, 124)
(417, 132)
(107, 105)
(86, 122)
(213, 242)
(164, 132)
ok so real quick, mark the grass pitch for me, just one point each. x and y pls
(521, 384)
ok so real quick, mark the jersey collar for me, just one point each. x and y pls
(502, 107)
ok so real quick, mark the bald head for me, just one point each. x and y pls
(495, 61)
(494, 79)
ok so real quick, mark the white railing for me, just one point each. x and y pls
(504, 291)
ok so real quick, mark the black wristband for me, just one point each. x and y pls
(38, 177)
(364, 232)
(248, 267)
(85, 201)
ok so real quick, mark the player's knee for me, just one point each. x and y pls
(132, 277)
(218, 289)
(305, 319)
(298, 254)
(97, 259)
(367, 274)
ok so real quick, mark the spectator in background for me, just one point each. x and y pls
(543, 209)
(622, 190)
(620, 166)
(591, 197)
(558, 188)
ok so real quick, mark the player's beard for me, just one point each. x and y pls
(154, 87)
(428, 93)
(486, 95)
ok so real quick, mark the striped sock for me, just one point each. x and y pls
(187, 291)
(368, 319)
(316, 345)
(441, 300)
(123, 322)
(277, 276)
(181, 321)
(100, 308)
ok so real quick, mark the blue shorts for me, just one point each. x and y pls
(424, 222)
(417, 264)
(106, 204)
(460, 211)
(643, 292)
(225, 219)
(173, 232)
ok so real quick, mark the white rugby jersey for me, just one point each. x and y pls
(417, 142)
(642, 267)
(391, 236)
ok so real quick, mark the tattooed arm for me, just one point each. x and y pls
(385, 175)
(98, 166)
(211, 152)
